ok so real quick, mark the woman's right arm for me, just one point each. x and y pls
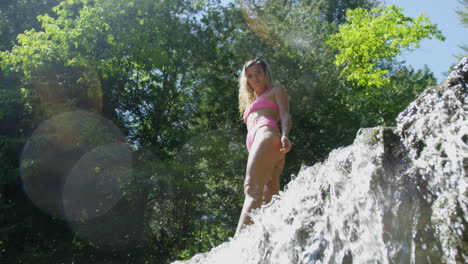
(282, 99)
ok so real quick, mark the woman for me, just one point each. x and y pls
(262, 104)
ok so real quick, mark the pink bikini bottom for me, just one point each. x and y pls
(258, 123)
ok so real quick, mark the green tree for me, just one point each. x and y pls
(291, 36)
(18, 215)
(376, 87)
(18, 16)
(128, 61)
(463, 15)
(165, 74)
(372, 39)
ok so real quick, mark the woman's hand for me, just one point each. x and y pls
(286, 145)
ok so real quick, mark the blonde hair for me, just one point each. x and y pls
(247, 93)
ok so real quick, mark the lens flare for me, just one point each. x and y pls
(122, 226)
(55, 148)
(282, 26)
(298, 40)
(97, 181)
(256, 22)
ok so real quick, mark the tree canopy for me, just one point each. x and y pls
(119, 133)
(370, 39)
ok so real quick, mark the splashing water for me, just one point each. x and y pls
(393, 196)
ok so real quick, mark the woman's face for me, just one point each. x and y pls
(256, 77)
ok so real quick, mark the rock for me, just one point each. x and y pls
(393, 196)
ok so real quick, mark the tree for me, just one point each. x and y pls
(376, 85)
(371, 39)
(163, 76)
(18, 16)
(112, 58)
(463, 15)
(16, 124)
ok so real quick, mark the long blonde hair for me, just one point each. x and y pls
(247, 93)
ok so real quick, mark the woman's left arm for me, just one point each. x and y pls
(282, 99)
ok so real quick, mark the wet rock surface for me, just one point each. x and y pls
(396, 195)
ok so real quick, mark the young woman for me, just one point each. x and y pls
(262, 104)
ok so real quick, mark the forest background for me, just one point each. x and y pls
(120, 138)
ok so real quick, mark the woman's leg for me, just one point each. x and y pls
(273, 185)
(260, 166)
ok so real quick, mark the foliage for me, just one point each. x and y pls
(18, 16)
(163, 75)
(463, 15)
(372, 38)
(18, 216)
(303, 64)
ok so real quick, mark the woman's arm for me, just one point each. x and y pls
(282, 99)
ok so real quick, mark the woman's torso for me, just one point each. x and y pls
(263, 111)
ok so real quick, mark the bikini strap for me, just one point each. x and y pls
(266, 91)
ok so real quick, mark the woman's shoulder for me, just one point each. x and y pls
(278, 88)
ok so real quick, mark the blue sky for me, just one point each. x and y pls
(437, 55)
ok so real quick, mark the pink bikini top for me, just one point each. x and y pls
(261, 102)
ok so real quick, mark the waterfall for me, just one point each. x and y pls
(396, 195)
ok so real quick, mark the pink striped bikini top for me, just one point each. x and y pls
(261, 102)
